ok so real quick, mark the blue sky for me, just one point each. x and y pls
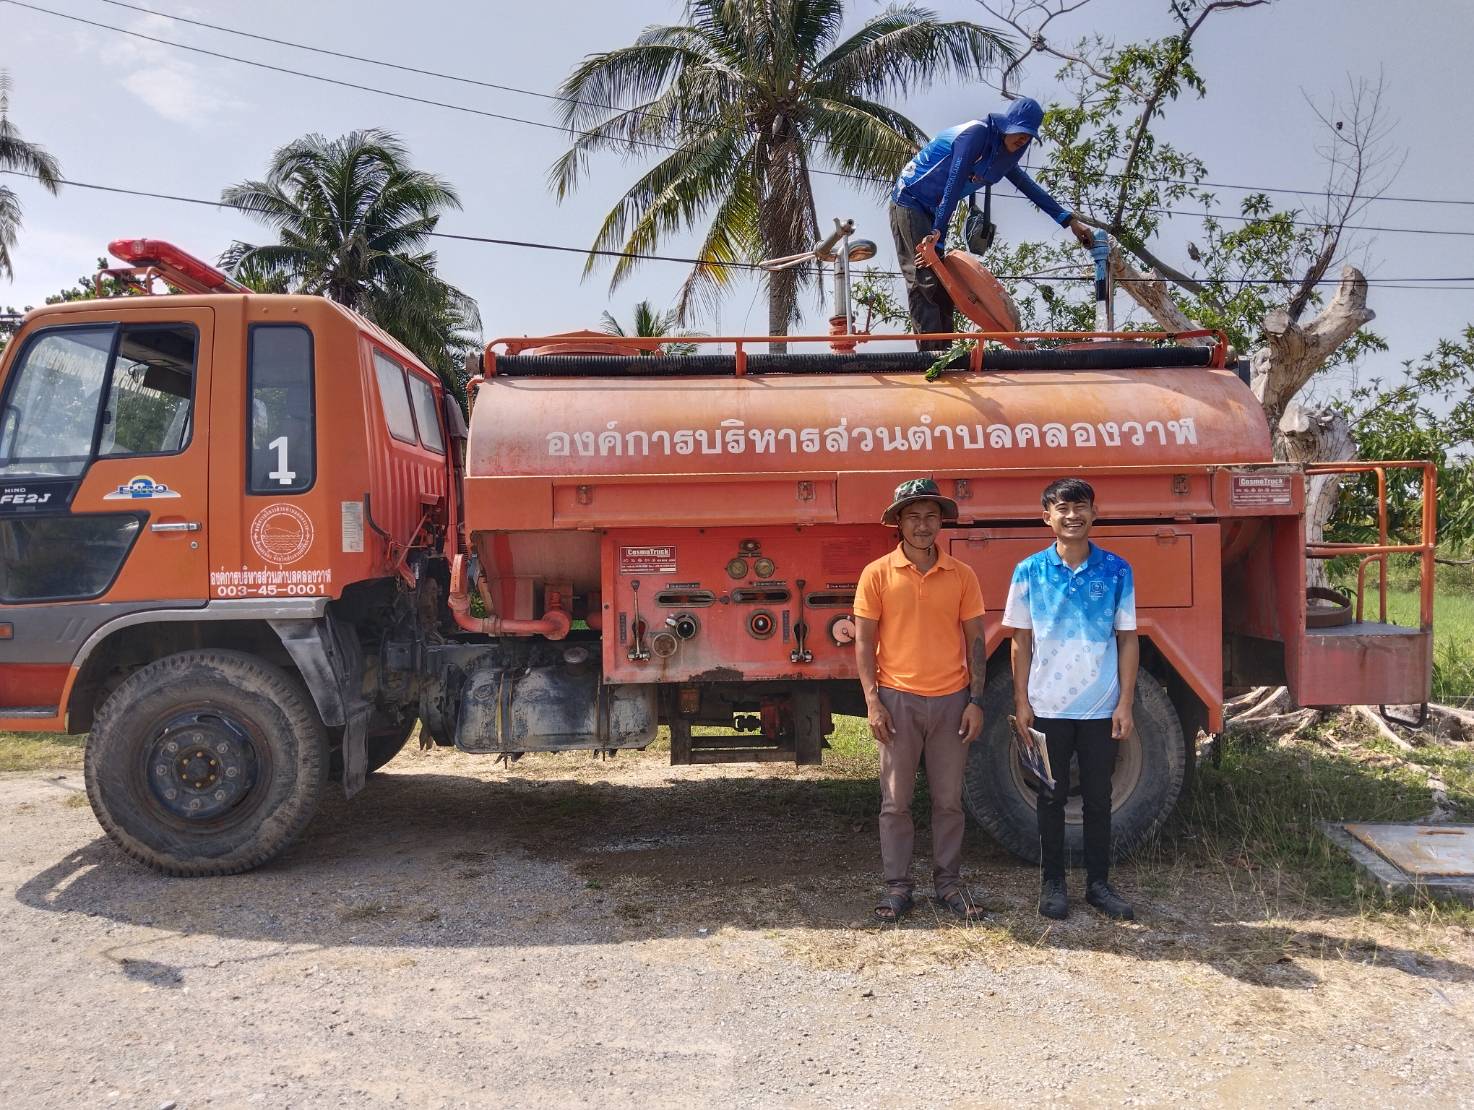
(124, 112)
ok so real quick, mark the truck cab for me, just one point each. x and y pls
(197, 475)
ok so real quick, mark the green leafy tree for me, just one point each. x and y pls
(19, 156)
(352, 219)
(86, 289)
(739, 102)
(650, 323)
(1427, 414)
(1256, 273)
(9, 322)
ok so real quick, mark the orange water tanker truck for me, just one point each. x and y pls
(248, 543)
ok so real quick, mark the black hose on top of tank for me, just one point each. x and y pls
(897, 362)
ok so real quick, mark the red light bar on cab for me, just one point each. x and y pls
(177, 267)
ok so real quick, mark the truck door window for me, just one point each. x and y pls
(149, 396)
(423, 396)
(57, 558)
(283, 417)
(395, 400)
(50, 413)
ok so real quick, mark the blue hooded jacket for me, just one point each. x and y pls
(962, 159)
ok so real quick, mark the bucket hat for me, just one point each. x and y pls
(918, 489)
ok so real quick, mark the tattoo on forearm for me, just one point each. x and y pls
(979, 666)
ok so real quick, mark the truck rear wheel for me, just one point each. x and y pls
(206, 763)
(1150, 769)
(387, 736)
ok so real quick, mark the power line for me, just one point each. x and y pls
(461, 79)
(201, 201)
(375, 61)
(370, 88)
(1433, 283)
(1315, 225)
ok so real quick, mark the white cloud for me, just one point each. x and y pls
(177, 93)
(164, 78)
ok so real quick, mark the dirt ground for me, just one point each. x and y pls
(572, 932)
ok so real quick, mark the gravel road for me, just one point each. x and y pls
(577, 933)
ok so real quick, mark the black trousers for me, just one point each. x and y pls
(931, 307)
(1090, 743)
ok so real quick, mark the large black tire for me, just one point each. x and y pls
(1150, 769)
(386, 737)
(206, 763)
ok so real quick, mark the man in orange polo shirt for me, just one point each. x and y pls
(922, 656)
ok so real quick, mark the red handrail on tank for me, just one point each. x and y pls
(740, 342)
(1426, 548)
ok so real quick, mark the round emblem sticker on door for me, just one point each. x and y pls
(281, 534)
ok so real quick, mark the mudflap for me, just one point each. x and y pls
(327, 654)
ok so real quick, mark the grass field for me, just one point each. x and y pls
(39, 751)
(1453, 636)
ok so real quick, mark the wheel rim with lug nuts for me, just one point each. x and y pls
(201, 766)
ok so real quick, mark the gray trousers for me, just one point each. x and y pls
(922, 725)
(931, 306)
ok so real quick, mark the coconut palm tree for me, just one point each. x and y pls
(738, 103)
(22, 157)
(649, 322)
(352, 218)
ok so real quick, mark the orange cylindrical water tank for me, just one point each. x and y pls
(562, 427)
(532, 435)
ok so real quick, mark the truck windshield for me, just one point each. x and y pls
(54, 419)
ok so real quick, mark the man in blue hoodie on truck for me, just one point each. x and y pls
(954, 165)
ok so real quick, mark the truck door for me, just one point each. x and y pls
(273, 541)
(104, 461)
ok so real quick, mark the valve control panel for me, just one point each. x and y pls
(754, 603)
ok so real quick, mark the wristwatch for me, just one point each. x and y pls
(976, 700)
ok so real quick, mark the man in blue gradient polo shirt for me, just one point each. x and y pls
(1072, 611)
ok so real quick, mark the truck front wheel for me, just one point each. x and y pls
(1150, 768)
(206, 763)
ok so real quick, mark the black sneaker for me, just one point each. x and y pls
(1053, 901)
(1100, 895)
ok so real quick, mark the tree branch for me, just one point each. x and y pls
(1140, 250)
(1151, 292)
(1016, 17)
(1164, 81)
(1293, 353)
(1354, 174)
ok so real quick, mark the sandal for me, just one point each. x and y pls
(962, 906)
(893, 907)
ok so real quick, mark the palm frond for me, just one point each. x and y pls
(602, 82)
(352, 218)
(27, 158)
(907, 45)
(748, 93)
(732, 237)
(10, 213)
(863, 138)
(672, 195)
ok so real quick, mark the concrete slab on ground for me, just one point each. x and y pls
(1436, 860)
